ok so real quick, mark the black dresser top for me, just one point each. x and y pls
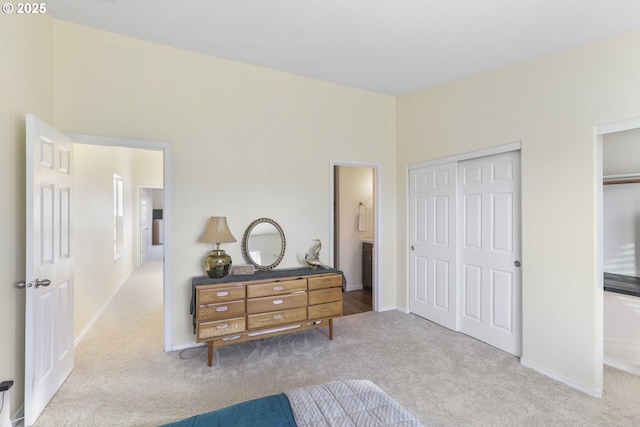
(260, 275)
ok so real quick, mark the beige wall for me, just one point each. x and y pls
(552, 105)
(246, 142)
(621, 153)
(26, 74)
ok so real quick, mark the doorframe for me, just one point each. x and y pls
(600, 132)
(498, 149)
(139, 208)
(165, 147)
(377, 237)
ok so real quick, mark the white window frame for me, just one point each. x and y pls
(118, 216)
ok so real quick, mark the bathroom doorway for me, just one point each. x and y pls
(354, 225)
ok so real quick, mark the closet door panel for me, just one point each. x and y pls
(432, 252)
(489, 250)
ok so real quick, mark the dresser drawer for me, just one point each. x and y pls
(325, 295)
(280, 302)
(329, 281)
(220, 310)
(330, 309)
(220, 294)
(276, 288)
(220, 327)
(275, 318)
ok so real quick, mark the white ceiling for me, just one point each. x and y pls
(386, 46)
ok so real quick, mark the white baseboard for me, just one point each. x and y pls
(355, 287)
(634, 370)
(187, 345)
(554, 375)
(381, 309)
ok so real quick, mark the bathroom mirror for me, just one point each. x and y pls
(263, 244)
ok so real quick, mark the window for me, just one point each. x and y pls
(118, 217)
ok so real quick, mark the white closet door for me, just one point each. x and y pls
(489, 248)
(432, 259)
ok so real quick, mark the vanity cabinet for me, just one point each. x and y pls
(367, 265)
(243, 308)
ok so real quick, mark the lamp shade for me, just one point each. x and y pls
(217, 231)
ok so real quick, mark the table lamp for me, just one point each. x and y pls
(218, 263)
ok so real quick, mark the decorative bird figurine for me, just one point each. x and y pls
(313, 259)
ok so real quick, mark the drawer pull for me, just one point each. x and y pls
(278, 288)
(278, 301)
(222, 308)
(222, 326)
(278, 317)
(222, 293)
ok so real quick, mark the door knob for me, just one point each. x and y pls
(43, 282)
(23, 284)
(413, 247)
(517, 264)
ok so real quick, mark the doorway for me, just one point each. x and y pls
(165, 149)
(354, 225)
(618, 239)
(151, 229)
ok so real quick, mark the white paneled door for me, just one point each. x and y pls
(489, 250)
(464, 237)
(432, 257)
(49, 265)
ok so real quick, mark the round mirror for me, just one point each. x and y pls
(263, 244)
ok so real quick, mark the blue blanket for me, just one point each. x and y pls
(272, 411)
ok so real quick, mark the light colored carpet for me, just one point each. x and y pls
(123, 378)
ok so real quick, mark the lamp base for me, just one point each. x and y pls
(217, 264)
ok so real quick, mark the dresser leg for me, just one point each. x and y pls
(330, 329)
(210, 352)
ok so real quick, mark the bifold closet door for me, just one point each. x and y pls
(489, 250)
(432, 255)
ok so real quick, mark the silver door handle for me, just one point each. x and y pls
(23, 284)
(412, 248)
(517, 264)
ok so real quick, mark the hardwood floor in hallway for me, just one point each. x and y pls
(354, 302)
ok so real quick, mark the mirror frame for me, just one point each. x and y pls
(245, 244)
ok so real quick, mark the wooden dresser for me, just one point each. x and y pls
(243, 308)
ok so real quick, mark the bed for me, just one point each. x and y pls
(337, 403)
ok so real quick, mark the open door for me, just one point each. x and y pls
(49, 265)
